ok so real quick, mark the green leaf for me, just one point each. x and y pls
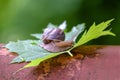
(76, 30)
(63, 25)
(50, 25)
(37, 61)
(37, 35)
(27, 50)
(94, 32)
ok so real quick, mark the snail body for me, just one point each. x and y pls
(53, 40)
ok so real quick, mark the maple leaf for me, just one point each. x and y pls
(29, 50)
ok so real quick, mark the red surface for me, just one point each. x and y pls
(104, 66)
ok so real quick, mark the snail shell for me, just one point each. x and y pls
(53, 40)
(53, 34)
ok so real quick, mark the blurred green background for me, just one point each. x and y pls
(20, 18)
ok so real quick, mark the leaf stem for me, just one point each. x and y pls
(70, 53)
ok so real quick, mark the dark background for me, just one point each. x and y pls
(20, 18)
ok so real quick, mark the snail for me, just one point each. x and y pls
(54, 40)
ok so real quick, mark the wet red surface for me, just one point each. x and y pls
(100, 63)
